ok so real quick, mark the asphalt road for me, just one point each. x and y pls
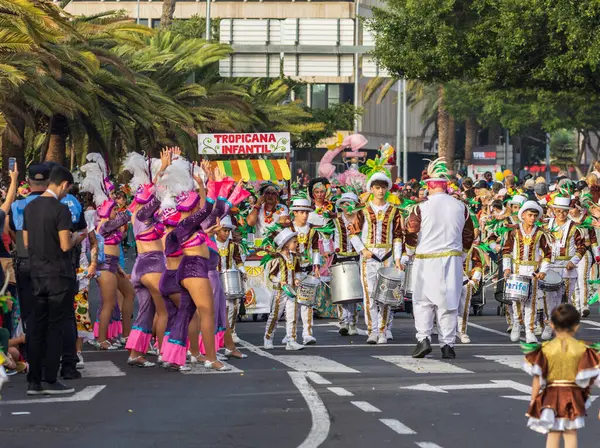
(338, 393)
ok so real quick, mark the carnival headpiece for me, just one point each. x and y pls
(97, 183)
(375, 169)
(437, 171)
(176, 180)
(143, 169)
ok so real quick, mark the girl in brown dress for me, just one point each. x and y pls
(563, 371)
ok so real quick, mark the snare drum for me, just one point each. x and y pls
(552, 282)
(389, 287)
(517, 288)
(306, 293)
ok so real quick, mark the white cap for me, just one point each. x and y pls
(301, 205)
(563, 203)
(517, 199)
(379, 176)
(346, 197)
(283, 237)
(227, 223)
(530, 205)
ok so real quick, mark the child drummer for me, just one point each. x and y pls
(283, 269)
(344, 251)
(308, 253)
(230, 257)
(527, 252)
(568, 249)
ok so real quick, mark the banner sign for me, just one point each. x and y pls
(258, 143)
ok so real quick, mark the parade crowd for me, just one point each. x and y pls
(428, 246)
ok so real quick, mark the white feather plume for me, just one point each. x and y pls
(97, 158)
(137, 165)
(175, 180)
(93, 182)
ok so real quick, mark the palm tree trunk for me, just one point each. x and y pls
(451, 147)
(167, 13)
(494, 133)
(57, 146)
(470, 137)
(443, 119)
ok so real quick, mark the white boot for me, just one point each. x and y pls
(547, 333)
(515, 333)
(463, 338)
(352, 331)
(293, 345)
(268, 344)
(309, 340)
(372, 339)
(381, 339)
(284, 340)
(530, 338)
(388, 335)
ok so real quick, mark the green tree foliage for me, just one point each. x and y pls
(563, 148)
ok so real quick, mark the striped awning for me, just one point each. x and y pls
(255, 169)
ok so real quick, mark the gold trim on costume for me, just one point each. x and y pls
(276, 305)
(450, 253)
(367, 298)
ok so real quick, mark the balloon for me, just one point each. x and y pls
(507, 172)
(499, 177)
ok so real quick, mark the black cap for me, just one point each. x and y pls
(39, 172)
(581, 185)
(527, 177)
(481, 184)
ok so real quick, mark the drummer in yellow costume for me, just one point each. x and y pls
(308, 252)
(344, 251)
(568, 249)
(377, 235)
(527, 252)
(230, 257)
(283, 268)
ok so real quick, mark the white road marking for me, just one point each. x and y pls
(422, 365)
(393, 345)
(307, 363)
(427, 445)
(316, 378)
(20, 413)
(495, 384)
(254, 349)
(320, 418)
(590, 322)
(365, 406)
(513, 361)
(86, 394)
(101, 369)
(424, 388)
(490, 330)
(397, 426)
(201, 370)
(517, 397)
(340, 392)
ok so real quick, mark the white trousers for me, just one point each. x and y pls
(554, 298)
(280, 305)
(233, 307)
(582, 289)
(376, 315)
(463, 307)
(349, 314)
(425, 312)
(306, 312)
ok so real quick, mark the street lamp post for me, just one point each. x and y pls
(208, 20)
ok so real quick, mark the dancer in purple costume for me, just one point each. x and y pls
(150, 262)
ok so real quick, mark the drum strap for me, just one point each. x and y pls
(385, 257)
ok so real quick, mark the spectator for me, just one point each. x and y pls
(528, 186)
(541, 190)
(592, 181)
(48, 239)
(487, 176)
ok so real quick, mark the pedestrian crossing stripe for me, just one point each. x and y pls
(306, 363)
(512, 361)
(101, 369)
(422, 365)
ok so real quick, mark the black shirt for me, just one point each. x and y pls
(43, 219)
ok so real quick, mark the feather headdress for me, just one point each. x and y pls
(93, 182)
(437, 170)
(375, 169)
(176, 179)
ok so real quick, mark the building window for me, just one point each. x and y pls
(144, 22)
(326, 95)
(155, 23)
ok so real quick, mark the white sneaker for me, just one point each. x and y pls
(309, 340)
(293, 345)
(80, 364)
(537, 330)
(268, 344)
(352, 330)
(372, 339)
(235, 337)
(464, 338)
(284, 340)
(530, 338)
(388, 335)
(382, 339)
(515, 333)
(547, 333)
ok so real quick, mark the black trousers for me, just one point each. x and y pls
(52, 315)
(24, 291)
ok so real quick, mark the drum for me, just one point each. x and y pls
(233, 284)
(306, 293)
(389, 289)
(345, 283)
(408, 290)
(517, 288)
(552, 282)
